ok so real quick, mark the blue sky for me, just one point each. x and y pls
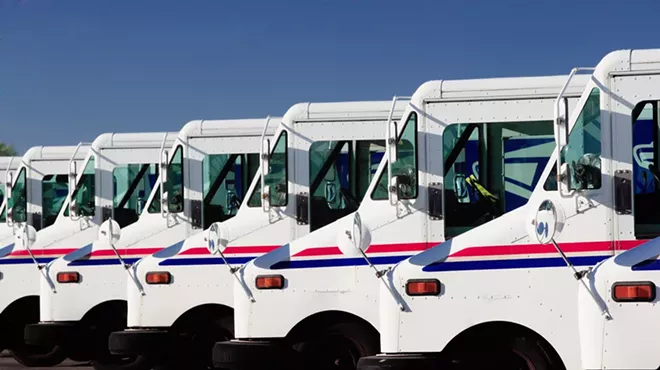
(72, 69)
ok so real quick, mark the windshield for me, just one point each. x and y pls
(3, 215)
(132, 184)
(226, 178)
(85, 191)
(174, 184)
(18, 200)
(54, 189)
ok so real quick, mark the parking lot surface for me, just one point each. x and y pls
(6, 362)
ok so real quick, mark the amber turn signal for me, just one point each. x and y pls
(270, 282)
(159, 277)
(643, 291)
(423, 287)
(68, 277)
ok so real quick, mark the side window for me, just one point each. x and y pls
(491, 169)
(646, 177)
(276, 178)
(154, 206)
(85, 191)
(406, 165)
(225, 181)
(174, 184)
(132, 185)
(18, 200)
(582, 154)
(54, 190)
(3, 215)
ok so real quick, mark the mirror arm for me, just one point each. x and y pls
(233, 271)
(40, 267)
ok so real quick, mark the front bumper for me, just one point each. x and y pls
(403, 362)
(255, 355)
(57, 333)
(149, 342)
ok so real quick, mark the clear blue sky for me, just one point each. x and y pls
(72, 69)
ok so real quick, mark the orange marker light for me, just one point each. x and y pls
(158, 277)
(423, 287)
(633, 291)
(68, 277)
(270, 282)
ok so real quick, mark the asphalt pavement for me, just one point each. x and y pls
(6, 362)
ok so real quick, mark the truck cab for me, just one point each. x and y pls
(315, 170)
(493, 138)
(529, 289)
(7, 166)
(36, 191)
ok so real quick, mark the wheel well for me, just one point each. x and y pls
(24, 306)
(501, 330)
(201, 315)
(108, 311)
(324, 319)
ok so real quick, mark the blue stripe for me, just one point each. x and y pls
(204, 261)
(24, 261)
(103, 262)
(337, 262)
(512, 263)
(648, 265)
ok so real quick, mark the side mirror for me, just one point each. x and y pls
(110, 231)
(394, 190)
(391, 142)
(163, 166)
(561, 123)
(9, 183)
(461, 188)
(354, 238)
(217, 238)
(265, 157)
(548, 222)
(73, 173)
(265, 197)
(27, 236)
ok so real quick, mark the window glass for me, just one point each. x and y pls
(85, 191)
(646, 177)
(406, 165)
(132, 184)
(54, 190)
(3, 215)
(174, 184)
(226, 178)
(582, 154)
(276, 178)
(491, 169)
(18, 200)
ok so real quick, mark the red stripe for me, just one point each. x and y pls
(40, 252)
(579, 247)
(124, 252)
(254, 249)
(376, 248)
(321, 251)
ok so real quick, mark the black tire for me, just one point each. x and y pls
(199, 335)
(339, 346)
(520, 353)
(38, 356)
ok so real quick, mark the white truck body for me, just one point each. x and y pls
(500, 280)
(325, 275)
(333, 133)
(7, 165)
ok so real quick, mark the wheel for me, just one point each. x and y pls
(199, 336)
(519, 353)
(38, 356)
(338, 347)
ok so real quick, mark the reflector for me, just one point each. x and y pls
(642, 291)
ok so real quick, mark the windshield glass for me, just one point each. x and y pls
(226, 178)
(18, 200)
(276, 178)
(54, 189)
(132, 184)
(174, 184)
(85, 191)
(3, 215)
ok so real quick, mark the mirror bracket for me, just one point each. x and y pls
(435, 201)
(302, 208)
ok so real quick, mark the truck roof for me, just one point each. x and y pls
(227, 127)
(343, 111)
(37, 153)
(134, 140)
(501, 88)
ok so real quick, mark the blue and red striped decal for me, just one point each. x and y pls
(22, 257)
(200, 256)
(106, 257)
